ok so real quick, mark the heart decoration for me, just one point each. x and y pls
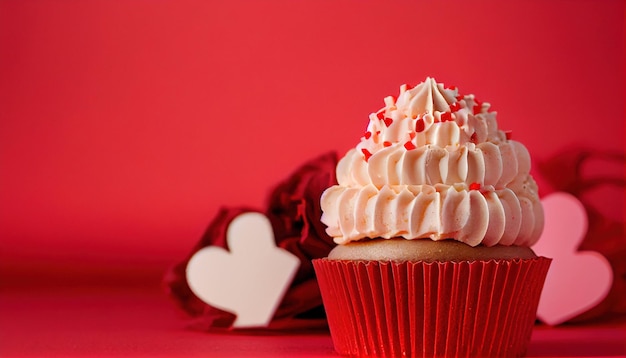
(251, 279)
(577, 280)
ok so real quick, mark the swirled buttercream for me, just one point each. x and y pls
(434, 165)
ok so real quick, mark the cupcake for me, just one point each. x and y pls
(434, 215)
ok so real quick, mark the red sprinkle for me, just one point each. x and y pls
(455, 107)
(412, 135)
(474, 138)
(380, 115)
(508, 134)
(446, 116)
(409, 145)
(477, 107)
(408, 86)
(474, 186)
(460, 97)
(368, 135)
(452, 88)
(419, 125)
(388, 121)
(387, 144)
(366, 153)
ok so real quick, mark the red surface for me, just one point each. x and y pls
(138, 323)
(124, 125)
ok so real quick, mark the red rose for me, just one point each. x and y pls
(294, 211)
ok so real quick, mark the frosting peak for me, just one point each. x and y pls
(433, 164)
(427, 97)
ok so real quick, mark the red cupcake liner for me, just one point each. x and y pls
(419, 309)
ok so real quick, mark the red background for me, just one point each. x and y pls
(124, 125)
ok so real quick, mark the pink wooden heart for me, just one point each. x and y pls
(577, 280)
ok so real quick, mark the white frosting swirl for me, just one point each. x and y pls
(433, 164)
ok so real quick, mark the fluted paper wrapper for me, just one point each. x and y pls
(418, 309)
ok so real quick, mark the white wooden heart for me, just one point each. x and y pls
(577, 280)
(251, 279)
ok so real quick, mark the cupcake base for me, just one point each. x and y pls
(438, 309)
